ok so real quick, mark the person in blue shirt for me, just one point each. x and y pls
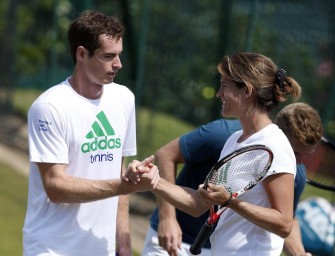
(172, 231)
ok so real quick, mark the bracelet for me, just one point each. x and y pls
(229, 199)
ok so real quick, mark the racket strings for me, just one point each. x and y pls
(242, 170)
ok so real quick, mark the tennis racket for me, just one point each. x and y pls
(320, 166)
(238, 172)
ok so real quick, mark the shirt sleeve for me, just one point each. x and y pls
(130, 147)
(45, 135)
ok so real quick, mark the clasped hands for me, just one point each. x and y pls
(145, 175)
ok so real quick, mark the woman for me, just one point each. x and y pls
(257, 223)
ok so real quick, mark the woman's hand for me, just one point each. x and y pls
(214, 194)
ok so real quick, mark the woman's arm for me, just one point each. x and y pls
(279, 218)
(183, 198)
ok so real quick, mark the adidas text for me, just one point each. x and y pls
(101, 143)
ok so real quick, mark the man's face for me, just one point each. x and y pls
(101, 68)
(301, 151)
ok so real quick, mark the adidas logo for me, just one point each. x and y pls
(100, 136)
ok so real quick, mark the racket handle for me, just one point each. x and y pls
(202, 238)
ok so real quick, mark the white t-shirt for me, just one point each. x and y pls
(91, 136)
(235, 235)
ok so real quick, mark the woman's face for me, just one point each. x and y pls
(231, 97)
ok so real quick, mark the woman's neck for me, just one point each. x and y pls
(253, 124)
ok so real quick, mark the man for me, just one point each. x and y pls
(303, 128)
(172, 231)
(79, 133)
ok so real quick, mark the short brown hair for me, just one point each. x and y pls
(86, 29)
(300, 121)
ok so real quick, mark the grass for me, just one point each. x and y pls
(13, 201)
(21, 99)
(156, 129)
(311, 191)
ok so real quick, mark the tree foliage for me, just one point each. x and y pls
(171, 48)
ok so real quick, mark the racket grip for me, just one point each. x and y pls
(202, 238)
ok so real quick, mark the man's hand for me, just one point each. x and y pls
(136, 168)
(143, 175)
(169, 236)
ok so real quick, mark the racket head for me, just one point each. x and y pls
(238, 172)
(241, 169)
(320, 166)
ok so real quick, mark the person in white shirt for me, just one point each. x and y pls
(172, 231)
(79, 133)
(256, 224)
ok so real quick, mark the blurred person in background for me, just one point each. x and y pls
(303, 127)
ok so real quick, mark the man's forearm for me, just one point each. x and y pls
(293, 244)
(123, 238)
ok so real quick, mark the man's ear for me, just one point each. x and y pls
(81, 51)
